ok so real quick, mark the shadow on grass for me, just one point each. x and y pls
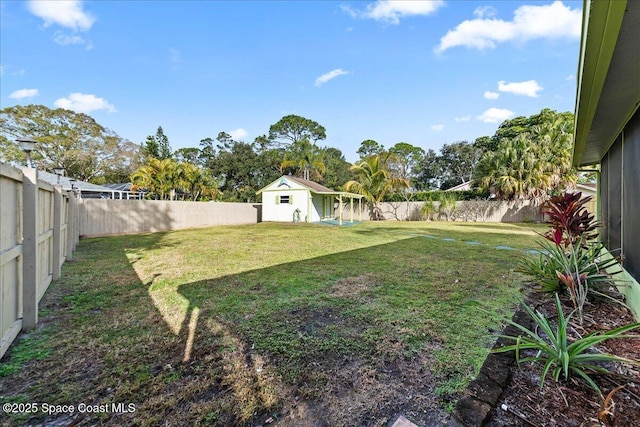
(343, 339)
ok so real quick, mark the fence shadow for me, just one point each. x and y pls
(308, 342)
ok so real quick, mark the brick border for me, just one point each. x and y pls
(474, 408)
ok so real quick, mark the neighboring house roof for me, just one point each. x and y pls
(125, 186)
(65, 182)
(461, 187)
(608, 76)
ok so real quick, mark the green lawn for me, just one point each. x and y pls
(303, 324)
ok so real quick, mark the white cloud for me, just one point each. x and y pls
(1, 70)
(528, 88)
(570, 77)
(462, 119)
(392, 10)
(495, 115)
(485, 12)
(66, 13)
(238, 134)
(437, 128)
(549, 21)
(24, 93)
(491, 95)
(84, 103)
(64, 40)
(330, 75)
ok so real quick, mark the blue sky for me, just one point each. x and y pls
(422, 72)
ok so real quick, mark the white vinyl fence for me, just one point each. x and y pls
(469, 211)
(105, 217)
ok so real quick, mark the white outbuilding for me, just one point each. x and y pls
(293, 199)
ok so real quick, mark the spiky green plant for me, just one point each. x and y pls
(552, 258)
(428, 210)
(556, 352)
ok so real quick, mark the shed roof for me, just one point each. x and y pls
(314, 187)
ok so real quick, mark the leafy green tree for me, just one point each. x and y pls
(242, 170)
(485, 143)
(374, 180)
(224, 140)
(207, 150)
(188, 154)
(429, 172)
(457, 163)
(337, 171)
(75, 141)
(453, 165)
(126, 159)
(292, 129)
(305, 159)
(587, 178)
(369, 147)
(518, 125)
(157, 146)
(407, 160)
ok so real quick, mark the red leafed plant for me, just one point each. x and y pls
(569, 219)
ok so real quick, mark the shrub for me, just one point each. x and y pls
(572, 261)
(569, 219)
(448, 204)
(435, 195)
(552, 258)
(428, 210)
(558, 355)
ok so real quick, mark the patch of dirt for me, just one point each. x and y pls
(355, 390)
(353, 287)
(573, 402)
(360, 394)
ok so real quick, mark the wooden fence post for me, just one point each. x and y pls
(57, 232)
(29, 248)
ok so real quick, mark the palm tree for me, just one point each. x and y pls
(374, 180)
(158, 177)
(195, 182)
(530, 165)
(516, 170)
(556, 137)
(305, 158)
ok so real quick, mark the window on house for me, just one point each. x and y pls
(284, 200)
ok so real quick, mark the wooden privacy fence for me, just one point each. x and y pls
(37, 234)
